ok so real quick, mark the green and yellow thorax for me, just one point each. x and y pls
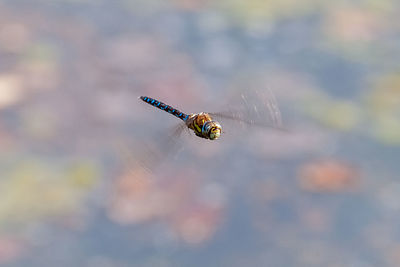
(203, 126)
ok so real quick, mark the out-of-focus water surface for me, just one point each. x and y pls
(327, 193)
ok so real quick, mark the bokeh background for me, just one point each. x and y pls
(327, 193)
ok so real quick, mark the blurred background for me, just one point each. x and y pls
(325, 194)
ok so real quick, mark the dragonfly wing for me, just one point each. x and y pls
(235, 115)
(253, 109)
(150, 155)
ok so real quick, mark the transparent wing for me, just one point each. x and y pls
(253, 108)
(164, 148)
(151, 154)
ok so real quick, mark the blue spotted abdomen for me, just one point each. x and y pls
(165, 107)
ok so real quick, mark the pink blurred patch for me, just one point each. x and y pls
(328, 176)
(10, 249)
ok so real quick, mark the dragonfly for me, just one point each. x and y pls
(206, 124)
(254, 109)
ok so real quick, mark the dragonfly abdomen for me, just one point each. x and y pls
(165, 107)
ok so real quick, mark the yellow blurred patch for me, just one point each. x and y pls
(383, 104)
(34, 190)
(83, 174)
(342, 115)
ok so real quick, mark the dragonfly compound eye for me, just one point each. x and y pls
(212, 130)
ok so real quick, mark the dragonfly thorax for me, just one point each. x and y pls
(203, 126)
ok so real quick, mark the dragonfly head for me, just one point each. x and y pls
(212, 130)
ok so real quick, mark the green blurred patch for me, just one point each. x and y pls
(41, 51)
(338, 114)
(82, 174)
(145, 7)
(250, 10)
(383, 103)
(34, 190)
(377, 114)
